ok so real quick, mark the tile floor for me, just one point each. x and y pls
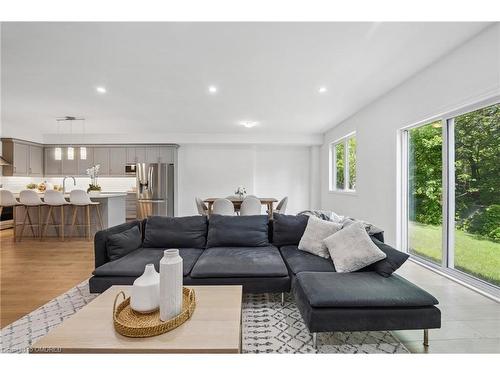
(470, 321)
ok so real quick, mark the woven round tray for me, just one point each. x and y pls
(130, 323)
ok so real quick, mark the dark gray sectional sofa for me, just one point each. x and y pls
(263, 257)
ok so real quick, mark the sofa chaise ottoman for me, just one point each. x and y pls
(363, 301)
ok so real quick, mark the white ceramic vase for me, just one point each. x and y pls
(170, 284)
(145, 296)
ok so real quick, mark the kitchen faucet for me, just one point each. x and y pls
(64, 182)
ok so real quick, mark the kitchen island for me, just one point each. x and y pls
(112, 206)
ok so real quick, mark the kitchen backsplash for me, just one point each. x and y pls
(108, 184)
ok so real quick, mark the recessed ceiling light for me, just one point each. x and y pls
(101, 90)
(212, 89)
(248, 124)
(322, 90)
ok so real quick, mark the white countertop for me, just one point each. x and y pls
(100, 196)
(107, 195)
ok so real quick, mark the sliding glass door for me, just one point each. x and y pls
(476, 241)
(452, 193)
(425, 221)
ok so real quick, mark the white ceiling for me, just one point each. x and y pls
(157, 74)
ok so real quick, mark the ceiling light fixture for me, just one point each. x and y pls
(322, 90)
(58, 150)
(57, 153)
(212, 89)
(248, 124)
(101, 90)
(83, 149)
(70, 150)
(71, 153)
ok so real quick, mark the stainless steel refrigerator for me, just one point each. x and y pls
(155, 189)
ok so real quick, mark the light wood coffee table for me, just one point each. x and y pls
(215, 327)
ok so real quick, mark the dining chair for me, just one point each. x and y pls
(281, 207)
(200, 205)
(30, 199)
(250, 206)
(54, 199)
(7, 199)
(223, 206)
(237, 206)
(80, 198)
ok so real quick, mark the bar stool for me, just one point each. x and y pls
(54, 199)
(80, 198)
(7, 199)
(29, 199)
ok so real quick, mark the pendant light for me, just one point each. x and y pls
(83, 149)
(58, 153)
(71, 150)
(57, 150)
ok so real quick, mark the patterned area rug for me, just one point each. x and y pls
(268, 327)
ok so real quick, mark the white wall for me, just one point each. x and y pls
(468, 74)
(264, 170)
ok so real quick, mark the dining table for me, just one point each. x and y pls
(268, 202)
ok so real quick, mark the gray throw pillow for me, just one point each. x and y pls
(316, 231)
(352, 249)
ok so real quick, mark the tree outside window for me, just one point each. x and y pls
(343, 154)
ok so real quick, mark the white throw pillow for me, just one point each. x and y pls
(352, 249)
(316, 231)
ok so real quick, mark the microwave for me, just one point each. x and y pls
(130, 169)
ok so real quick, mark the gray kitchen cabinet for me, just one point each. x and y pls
(20, 160)
(52, 166)
(167, 154)
(152, 154)
(87, 163)
(70, 167)
(117, 161)
(140, 154)
(25, 158)
(35, 166)
(131, 158)
(33, 159)
(101, 157)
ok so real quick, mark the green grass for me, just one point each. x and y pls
(473, 255)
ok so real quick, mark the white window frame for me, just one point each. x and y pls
(333, 164)
(447, 266)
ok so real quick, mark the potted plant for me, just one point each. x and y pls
(94, 188)
(241, 191)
